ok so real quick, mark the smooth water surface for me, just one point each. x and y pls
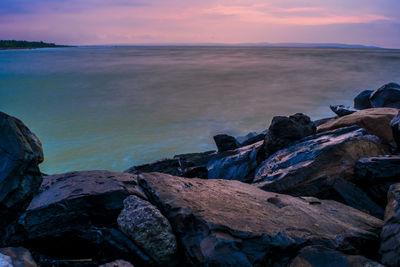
(114, 107)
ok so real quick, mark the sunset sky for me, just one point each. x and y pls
(367, 22)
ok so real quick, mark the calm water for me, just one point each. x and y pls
(114, 107)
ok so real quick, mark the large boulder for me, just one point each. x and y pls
(376, 121)
(386, 96)
(74, 215)
(361, 101)
(376, 174)
(226, 142)
(319, 256)
(341, 110)
(16, 257)
(236, 164)
(390, 235)
(331, 154)
(20, 177)
(286, 130)
(395, 124)
(147, 227)
(229, 223)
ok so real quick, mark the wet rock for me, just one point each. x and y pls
(20, 177)
(386, 96)
(236, 164)
(390, 235)
(117, 263)
(222, 223)
(331, 154)
(286, 130)
(376, 174)
(376, 121)
(16, 257)
(395, 124)
(225, 142)
(147, 227)
(361, 101)
(341, 110)
(319, 256)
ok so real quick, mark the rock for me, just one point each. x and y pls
(386, 96)
(253, 140)
(236, 164)
(197, 159)
(390, 235)
(323, 121)
(148, 228)
(117, 263)
(286, 130)
(330, 154)
(17, 257)
(376, 121)
(319, 256)
(341, 110)
(229, 223)
(361, 101)
(376, 174)
(170, 166)
(225, 142)
(75, 213)
(242, 139)
(20, 177)
(395, 124)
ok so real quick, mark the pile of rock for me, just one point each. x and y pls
(298, 194)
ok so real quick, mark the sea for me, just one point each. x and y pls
(113, 107)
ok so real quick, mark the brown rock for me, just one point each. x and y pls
(375, 120)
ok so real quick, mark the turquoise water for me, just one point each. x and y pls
(114, 107)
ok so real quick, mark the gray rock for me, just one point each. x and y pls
(386, 96)
(16, 257)
(395, 124)
(390, 235)
(20, 177)
(148, 228)
(226, 142)
(117, 263)
(361, 101)
(236, 164)
(229, 223)
(341, 110)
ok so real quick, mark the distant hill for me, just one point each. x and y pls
(13, 44)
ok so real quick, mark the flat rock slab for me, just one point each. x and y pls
(375, 120)
(223, 223)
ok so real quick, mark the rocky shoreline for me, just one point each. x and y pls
(300, 193)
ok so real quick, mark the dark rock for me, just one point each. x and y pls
(341, 110)
(242, 139)
(395, 124)
(197, 159)
(225, 142)
(229, 223)
(319, 122)
(390, 235)
(361, 101)
(169, 166)
(286, 130)
(376, 174)
(253, 139)
(386, 96)
(236, 164)
(80, 209)
(331, 154)
(20, 177)
(375, 120)
(319, 256)
(196, 172)
(16, 257)
(146, 226)
(117, 263)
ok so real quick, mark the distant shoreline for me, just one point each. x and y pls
(14, 44)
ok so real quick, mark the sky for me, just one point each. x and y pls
(97, 22)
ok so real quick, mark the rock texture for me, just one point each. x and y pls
(395, 124)
(117, 263)
(236, 164)
(386, 96)
(20, 177)
(331, 154)
(361, 101)
(286, 130)
(319, 256)
(226, 142)
(16, 257)
(376, 174)
(229, 223)
(148, 228)
(390, 235)
(341, 110)
(376, 121)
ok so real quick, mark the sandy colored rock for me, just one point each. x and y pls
(375, 120)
